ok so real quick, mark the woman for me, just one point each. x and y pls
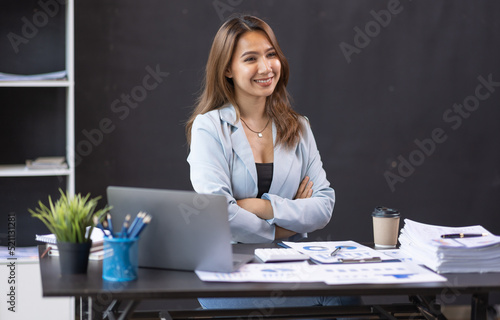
(248, 144)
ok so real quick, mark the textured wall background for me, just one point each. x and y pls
(403, 98)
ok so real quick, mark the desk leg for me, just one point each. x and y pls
(129, 309)
(112, 312)
(427, 306)
(93, 311)
(479, 309)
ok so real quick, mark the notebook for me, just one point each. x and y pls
(188, 231)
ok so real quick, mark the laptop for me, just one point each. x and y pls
(188, 231)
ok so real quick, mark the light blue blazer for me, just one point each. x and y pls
(221, 162)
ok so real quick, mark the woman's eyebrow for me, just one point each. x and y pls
(255, 52)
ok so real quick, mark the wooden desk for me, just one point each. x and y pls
(171, 284)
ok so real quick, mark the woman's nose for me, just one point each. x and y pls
(265, 66)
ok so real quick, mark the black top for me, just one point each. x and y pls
(264, 177)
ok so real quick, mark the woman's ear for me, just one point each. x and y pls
(228, 73)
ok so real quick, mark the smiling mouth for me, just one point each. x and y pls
(267, 81)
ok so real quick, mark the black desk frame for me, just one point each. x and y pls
(105, 297)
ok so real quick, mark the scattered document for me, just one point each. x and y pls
(350, 251)
(331, 274)
(58, 75)
(398, 254)
(478, 252)
(390, 272)
(264, 272)
(338, 263)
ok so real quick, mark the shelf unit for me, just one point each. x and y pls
(20, 170)
(37, 115)
(37, 121)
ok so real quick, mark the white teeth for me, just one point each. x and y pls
(263, 81)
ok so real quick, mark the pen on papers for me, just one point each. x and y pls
(46, 251)
(463, 235)
(334, 252)
(374, 259)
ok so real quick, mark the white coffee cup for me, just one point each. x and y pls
(385, 227)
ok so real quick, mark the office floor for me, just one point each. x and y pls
(458, 312)
(452, 312)
(462, 312)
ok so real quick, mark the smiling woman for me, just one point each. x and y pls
(255, 71)
(244, 132)
(248, 144)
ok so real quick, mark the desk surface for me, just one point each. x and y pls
(172, 284)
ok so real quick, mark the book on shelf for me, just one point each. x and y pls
(47, 163)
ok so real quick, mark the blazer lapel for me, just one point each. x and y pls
(239, 141)
(283, 160)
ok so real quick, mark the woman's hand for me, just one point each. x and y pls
(282, 233)
(305, 189)
(260, 207)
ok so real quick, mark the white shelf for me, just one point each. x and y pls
(20, 170)
(40, 83)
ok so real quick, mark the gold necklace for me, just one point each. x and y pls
(259, 133)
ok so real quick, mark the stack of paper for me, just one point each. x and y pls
(47, 163)
(57, 75)
(96, 251)
(478, 251)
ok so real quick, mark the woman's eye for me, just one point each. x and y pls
(272, 54)
(249, 59)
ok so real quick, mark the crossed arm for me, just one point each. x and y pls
(263, 209)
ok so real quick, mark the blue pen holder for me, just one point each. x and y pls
(120, 259)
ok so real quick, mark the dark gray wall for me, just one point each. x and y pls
(403, 98)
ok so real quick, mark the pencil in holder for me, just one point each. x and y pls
(120, 261)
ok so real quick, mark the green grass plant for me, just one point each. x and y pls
(70, 216)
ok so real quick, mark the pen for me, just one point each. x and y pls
(110, 224)
(105, 226)
(132, 232)
(334, 252)
(125, 226)
(374, 259)
(138, 229)
(463, 235)
(134, 223)
(100, 226)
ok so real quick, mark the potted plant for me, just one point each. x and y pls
(71, 220)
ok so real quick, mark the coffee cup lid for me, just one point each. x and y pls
(385, 212)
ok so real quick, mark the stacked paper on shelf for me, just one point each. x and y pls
(57, 75)
(47, 163)
(478, 252)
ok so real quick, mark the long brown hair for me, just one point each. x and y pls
(218, 90)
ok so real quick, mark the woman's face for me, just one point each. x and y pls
(255, 67)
